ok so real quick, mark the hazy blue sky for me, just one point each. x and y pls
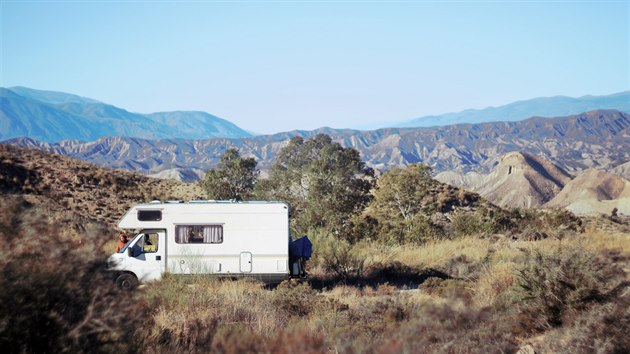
(273, 66)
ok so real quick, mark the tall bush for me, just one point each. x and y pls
(552, 289)
(55, 293)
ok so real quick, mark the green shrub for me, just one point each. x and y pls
(336, 256)
(555, 222)
(467, 223)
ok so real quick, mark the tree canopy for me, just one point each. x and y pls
(324, 182)
(234, 178)
(402, 204)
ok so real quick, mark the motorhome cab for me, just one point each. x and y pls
(204, 237)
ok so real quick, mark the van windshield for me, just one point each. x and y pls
(124, 249)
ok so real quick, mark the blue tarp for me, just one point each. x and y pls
(301, 247)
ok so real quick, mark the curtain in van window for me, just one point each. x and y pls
(213, 234)
(180, 234)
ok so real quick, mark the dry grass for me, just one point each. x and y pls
(494, 281)
(434, 254)
(600, 241)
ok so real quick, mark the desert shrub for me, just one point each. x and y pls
(467, 223)
(453, 289)
(603, 329)
(15, 178)
(197, 337)
(337, 257)
(494, 282)
(190, 312)
(237, 339)
(445, 329)
(56, 295)
(551, 290)
(362, 227)
(301, 340)
(554, 222)
(375, 316)
(295, 299)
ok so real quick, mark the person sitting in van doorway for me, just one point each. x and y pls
(122, 242)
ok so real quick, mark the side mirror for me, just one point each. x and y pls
(130, 252)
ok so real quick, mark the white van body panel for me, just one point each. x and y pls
(254, 240)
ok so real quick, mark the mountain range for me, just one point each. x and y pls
(51, 116)
(598, 139)
(55, 116)
(537, 107)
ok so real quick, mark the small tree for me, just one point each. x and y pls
(402, 204)
(233, 179)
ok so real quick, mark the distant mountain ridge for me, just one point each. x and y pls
(599, 139)
(51, 116)
(556, 106)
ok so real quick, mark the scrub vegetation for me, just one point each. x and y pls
(405, 264)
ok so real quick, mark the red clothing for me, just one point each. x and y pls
(120, 246)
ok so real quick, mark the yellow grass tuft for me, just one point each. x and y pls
(433, 254)
(493, 281)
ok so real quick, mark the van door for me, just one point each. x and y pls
(246, 262)
(148, 252)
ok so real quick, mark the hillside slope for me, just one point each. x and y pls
(522, 181)
(622, 170)
(594, 191)
(77, 192)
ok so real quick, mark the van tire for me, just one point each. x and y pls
(127, 281)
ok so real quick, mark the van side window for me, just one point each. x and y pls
(149, 243)
(199, 234)
(149, 215)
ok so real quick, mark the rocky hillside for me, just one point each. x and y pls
(622, 170)
(520, 180)
(594, 191)
(598, 139)
(78, 193)
(187, 175)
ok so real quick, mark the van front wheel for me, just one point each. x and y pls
(127, 281)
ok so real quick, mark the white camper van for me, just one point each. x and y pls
(224, 238)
